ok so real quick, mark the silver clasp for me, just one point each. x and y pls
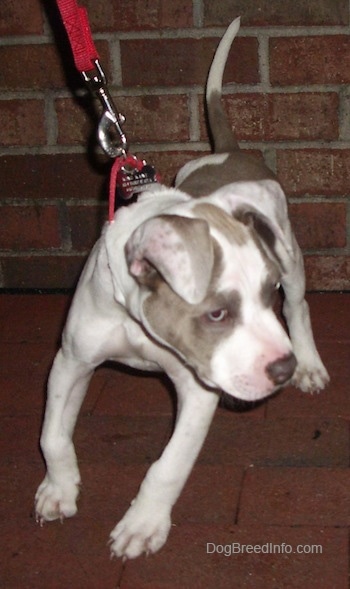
(111, 120)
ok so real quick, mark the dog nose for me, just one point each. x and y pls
(282, 369)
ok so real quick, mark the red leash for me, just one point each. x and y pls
(129, 175)
(76, 22)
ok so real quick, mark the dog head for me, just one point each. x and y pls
(209, 276)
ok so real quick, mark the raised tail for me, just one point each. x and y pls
(223, 138)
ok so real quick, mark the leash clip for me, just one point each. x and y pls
(110, 134)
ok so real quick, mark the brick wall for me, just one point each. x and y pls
(286, 90)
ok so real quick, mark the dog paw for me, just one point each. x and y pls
(310, 379)
(55, 501)
(140, 531)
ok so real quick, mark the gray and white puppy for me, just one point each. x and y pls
(183, 281)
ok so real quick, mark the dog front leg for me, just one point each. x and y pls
(310, 374)
(146, 524)
(56, 496)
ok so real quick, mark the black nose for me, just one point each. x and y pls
(282, 369)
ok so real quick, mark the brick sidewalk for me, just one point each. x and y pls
(276, 475)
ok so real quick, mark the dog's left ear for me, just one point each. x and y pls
(179, 249)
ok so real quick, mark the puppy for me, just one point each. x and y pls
(184, 282)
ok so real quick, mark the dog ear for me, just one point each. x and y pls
(263, 206)
(263, 229)
(180, 249)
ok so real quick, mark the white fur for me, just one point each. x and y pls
(106, 321)
(216, 72)
(192, 166)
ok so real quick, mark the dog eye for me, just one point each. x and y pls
(217, 315)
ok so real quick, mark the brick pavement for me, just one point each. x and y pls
(273, 477)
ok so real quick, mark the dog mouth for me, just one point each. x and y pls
(232, 403)
(258, 381)
(242, 401)
(241, 392)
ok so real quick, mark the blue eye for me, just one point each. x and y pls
(217, 315)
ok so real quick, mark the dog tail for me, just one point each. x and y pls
(223, 138)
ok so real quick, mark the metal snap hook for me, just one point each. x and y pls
(107, 127)
(110, 134)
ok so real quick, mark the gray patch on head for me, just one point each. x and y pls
(227, 225)
(187, 328)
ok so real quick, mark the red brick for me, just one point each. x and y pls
(276, 117)
(85, 223)
(29, 390)
(156, 118)
(42, 271)
(77, 539)
(239, 439)
(186, 552)
(63, 176)
(310, 60)
(128, 394)
(23, 228)
(123, 441)
(28, 387)
(333, 403)
(82, 543)
(149, 394)
(267, 12)
(111, 477)
(328, 272)
(30, 66)
(184, 62)
(36, 359)
(314, 171)
(39, 318)
(330, 314)
(22, 123)
(319, 225)
(295, 496)
(129, 15)
(37, 67)
(24, 18)
(196, 505)
(75, 125)
(148, 119)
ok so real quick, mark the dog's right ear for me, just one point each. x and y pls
(179, 249)
(262, 205)
(264, 230)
